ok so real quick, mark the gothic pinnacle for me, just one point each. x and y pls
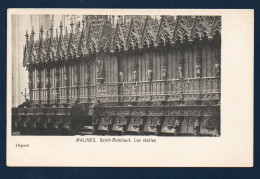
(51, 30)
(61, 27)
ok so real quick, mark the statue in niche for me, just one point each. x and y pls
(149, 70)
(30, 84)
(164, 67)
(38, 82)
(100, 68)
(217, 69)
(198, 72)
(47, 82)
(76, 82)
(121, 73)
(57, 79)
(65, 78)
(164, 72)
(134, 75)
(30, 80)
(149, 74)
(198, 68)
(121, 76)
(87, 78)
(180, 71)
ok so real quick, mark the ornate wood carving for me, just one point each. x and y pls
(100, 68)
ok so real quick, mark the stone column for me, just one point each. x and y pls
(66, 81)
(57, 84)
(77, 79)
(39, 84)
(48, 84)
(30, 85)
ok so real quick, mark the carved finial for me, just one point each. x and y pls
(61, 28)
(41, 32)
(71, 25)
(78, 28)
(26, 36)
(51, 30)
(57, 33)
(83, 21)
(47, 34)
(32, 34)
(66, 32)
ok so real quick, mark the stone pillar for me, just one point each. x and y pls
(48, 84)
(39, 85)
(57, 84)
(30, 84)
(77, 79)
(66, 81)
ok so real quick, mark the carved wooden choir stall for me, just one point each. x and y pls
(141, 75)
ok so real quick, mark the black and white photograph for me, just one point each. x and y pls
(116, 75)
(130, 87)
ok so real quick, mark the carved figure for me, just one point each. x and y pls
(217, 69)
(198, 71)
(65, 79)
(121, 76)
(164, 73)
(30, 84)
(47, 85)
(149, 74)
(76, 79)
(180, 71)
(87, 77)
(100, 68)
(134, 76)
(38, 83)
(57, 80)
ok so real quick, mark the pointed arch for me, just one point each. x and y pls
(181, 31)
(148, 37)
(199, 28)
(164, 34)
(119, 42)
(133, 38)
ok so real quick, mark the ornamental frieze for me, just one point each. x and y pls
(140, 32)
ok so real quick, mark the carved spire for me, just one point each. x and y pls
(71, 25)
(61, 28)
(41, 33)
(78, 29)
(120, 20)
(66, 32)
(47, 34)
(32, 34)
(51, 30)
(26, 36)
(57, 33)
(83, 22)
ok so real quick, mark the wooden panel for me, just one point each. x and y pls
(190, 52)
(204, 62)
(209, 63)
(186, 63)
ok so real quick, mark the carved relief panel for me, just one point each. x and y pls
(100, 68)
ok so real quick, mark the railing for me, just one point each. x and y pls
(41, 111)
(205, 88)
(178, 110)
